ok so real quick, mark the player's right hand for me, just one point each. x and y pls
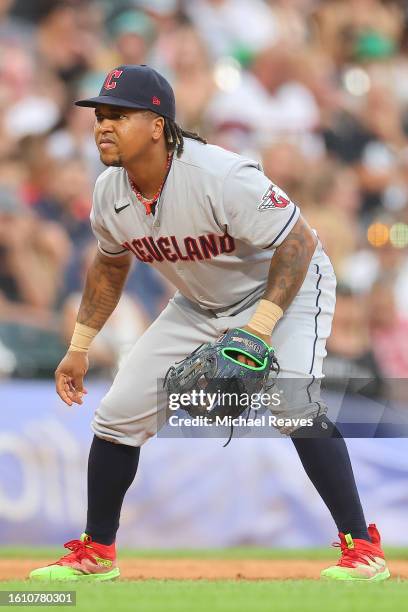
(69, 377)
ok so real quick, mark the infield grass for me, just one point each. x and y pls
(231, 596)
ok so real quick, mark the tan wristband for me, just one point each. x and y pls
(265, 317)
(82, 338)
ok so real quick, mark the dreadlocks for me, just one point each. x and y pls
(175, 135)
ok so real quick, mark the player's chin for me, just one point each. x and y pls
(111, 160)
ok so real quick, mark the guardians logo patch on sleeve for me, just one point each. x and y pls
(274, 197)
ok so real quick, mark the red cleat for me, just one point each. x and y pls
(87, 561)
(360, 560)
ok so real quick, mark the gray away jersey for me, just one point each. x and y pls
(216, 226)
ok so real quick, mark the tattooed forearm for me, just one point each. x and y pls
(289, 264)
(103, 288)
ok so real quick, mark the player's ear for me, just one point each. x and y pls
(158, 127)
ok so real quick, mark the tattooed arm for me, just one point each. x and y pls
(288, 269)
(289, 264)
(103, 288)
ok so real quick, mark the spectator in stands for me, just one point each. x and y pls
(33, 255)
(332, 205)
(353, 29)
(285, 164)
(68, 199)
(73, 140)
(370, 264)
(61, 42)
(292, 21)
(38, 168)
(13, 31)
(133, 34)
(193, 80)
(233, 27)
(350, 362)
(389, 330)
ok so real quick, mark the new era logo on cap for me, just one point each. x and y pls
(136, 86)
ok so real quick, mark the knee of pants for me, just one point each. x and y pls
(297, 404)
(132, 430)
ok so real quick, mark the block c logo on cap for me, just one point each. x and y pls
(110, 83)
(156, 101)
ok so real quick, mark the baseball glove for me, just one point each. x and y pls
(214, 369)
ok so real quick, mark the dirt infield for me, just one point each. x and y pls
(196, 569)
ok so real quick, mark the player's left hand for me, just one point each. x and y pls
(263, 337)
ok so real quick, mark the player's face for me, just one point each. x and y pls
(122, 134)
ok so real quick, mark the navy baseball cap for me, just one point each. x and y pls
(136, 86)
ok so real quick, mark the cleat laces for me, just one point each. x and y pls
(80, 550)
(358, 554)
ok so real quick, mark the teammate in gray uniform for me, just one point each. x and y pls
(241, 255)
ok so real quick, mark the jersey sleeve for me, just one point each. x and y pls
(256, 210)
(107, 245)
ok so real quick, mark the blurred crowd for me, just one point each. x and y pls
(316, 90)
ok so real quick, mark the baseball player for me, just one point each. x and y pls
(241, 256)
